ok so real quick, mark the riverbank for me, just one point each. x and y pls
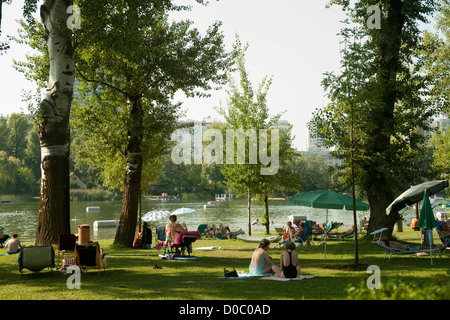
(130, 274)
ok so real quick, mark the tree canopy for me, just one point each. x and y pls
(384, 84)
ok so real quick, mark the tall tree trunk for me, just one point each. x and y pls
(133, 174)
(266, 207)
(53, 130)
(379, 200)
(380, 193)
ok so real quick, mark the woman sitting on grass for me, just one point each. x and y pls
(259, 258)
(288, 263)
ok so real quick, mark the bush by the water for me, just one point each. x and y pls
(93, 195)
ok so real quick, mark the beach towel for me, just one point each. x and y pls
(287, 279)
(208, 248)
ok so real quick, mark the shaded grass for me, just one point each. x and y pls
(130, 274)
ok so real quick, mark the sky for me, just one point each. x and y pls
(294, 41)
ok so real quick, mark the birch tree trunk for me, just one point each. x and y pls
(133, 175)
(53, 130)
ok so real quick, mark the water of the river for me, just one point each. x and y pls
(21, 217)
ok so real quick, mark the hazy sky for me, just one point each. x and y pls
(295, 41)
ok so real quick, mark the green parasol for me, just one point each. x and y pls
(327, 199)
(426, 219)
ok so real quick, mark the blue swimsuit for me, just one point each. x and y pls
(257, 271)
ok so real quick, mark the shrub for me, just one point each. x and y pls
(91, 195)
(397, 289)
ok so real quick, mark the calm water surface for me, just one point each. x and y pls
(21, 217)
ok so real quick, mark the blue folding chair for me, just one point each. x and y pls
(306, 234)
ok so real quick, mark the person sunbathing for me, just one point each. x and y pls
(407, 247)
(289, 232)
(211, 231)
(225, 231)
(298, 228)
(444, 230)
(343, 234)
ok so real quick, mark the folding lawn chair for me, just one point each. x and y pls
(411, 251)
(202, 229)
(280, 231)
(306, 233)
(66, 245)
(36, 258)
(184, 240)
(304, 237)
(89, 256)
(443, 239)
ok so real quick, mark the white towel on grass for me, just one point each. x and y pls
(287, 279)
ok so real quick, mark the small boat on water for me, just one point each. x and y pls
(248, 238)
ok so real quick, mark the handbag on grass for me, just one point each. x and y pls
(230, 274)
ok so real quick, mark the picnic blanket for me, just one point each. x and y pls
(287, 279)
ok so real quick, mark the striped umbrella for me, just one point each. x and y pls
(155, 215)
(183, 211)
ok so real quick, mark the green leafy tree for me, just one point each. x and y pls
(384, 87)
(437, 50)
(313, 171)
(441, 152)
(247, 111)
(9, 168)
(32, 157)
(133, 54)
(4, 133)
(4, 45)
(284, 179)
(18, 134)
(438, 65)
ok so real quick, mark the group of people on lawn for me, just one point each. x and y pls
(295, 229)
(261, 263)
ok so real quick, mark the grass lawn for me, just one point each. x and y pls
(130, 273)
